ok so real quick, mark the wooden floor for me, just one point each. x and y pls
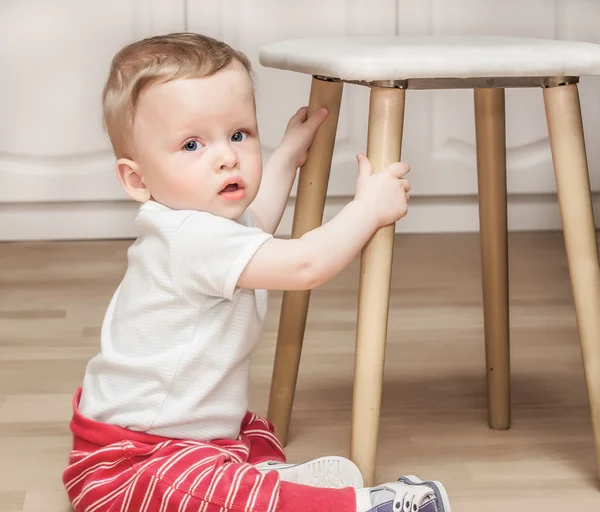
(53, 296)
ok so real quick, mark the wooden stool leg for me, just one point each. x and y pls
(308, 214)
(386, 119)
(493, 227)
(571, 170)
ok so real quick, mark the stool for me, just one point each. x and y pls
(390, 66)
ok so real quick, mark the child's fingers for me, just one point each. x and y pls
(405, 185)
(399, 169)
(302, 114)
(299, 117)
(364, 166)
(314, 121)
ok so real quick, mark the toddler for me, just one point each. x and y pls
(160, 422)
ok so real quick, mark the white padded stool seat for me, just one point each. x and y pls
(375, 58)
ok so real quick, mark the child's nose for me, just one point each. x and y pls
(227, 158)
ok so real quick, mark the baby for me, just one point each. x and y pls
(161, 421)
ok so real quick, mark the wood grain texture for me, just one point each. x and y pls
(565, 126)
(490, 134)
(433, 420)
(384, 147)
(308, 215)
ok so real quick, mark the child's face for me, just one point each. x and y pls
(197, 144)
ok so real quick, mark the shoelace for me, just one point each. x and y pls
(412, 500)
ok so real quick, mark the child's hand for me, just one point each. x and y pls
(299, 135)
(385, 194)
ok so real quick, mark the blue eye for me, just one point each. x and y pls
(191, 145)
(237, 137)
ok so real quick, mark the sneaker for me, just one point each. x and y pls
(332, 472)
(409, 494)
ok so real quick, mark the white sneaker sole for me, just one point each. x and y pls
(331, 472)
(439, 485)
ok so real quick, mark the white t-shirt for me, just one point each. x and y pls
(178, 333)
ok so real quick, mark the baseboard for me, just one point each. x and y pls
(114, 219)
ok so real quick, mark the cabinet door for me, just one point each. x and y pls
(249, 25)
(55, 58)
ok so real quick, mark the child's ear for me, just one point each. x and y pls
(131, 179)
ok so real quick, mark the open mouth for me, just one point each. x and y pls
(233, 189)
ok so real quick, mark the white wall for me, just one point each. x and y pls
(56, 176)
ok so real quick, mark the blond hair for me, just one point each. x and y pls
(157, 59)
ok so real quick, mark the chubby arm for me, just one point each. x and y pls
(280, 171)
(320, 254)
(316, 257)
(277, 181)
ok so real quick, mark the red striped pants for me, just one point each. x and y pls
(119, 470)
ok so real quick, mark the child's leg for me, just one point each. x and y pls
(181, 476)
(333, 473)
(113, 469)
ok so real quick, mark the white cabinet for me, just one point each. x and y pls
(55, 57)
(56, 166)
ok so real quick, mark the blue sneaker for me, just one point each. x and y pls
(408, 494)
